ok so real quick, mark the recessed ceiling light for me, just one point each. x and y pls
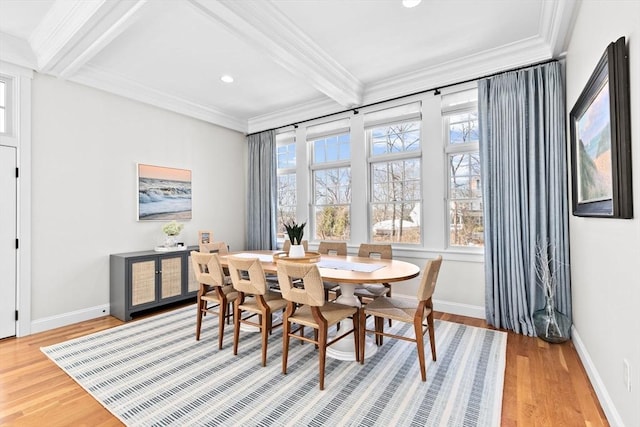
(227, 78)
(410, 3)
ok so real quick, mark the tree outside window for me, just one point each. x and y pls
(465, 193)
(286, 162)
(395, 182)
(332, 187)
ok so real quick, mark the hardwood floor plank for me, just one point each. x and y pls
(544, 385)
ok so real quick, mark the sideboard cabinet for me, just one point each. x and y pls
(143, 280)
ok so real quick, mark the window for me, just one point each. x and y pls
(331, 180)
(395, 174)
(460, 117)
(404, 172)
(5, 85)
(286, 170)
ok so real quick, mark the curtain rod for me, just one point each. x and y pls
(436, 91)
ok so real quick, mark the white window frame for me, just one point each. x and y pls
(286, 139)
(315, 167)
(392, 157)
(452, 150)
(434, 176)
(9, 102)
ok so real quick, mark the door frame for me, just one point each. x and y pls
(20, 138)
(9, 256)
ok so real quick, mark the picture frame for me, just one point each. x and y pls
(164, 193)
(600, 132)
(205, 237)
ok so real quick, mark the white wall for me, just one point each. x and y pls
(85, 147)
(605, 253)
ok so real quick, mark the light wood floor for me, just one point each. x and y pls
(545, 385)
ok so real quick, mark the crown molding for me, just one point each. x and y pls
(556, 24)
(294, 114)
(72, 32)
(112, 83)
(16, 51)
(470, 67)
(268, 30)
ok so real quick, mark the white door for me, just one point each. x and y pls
(8, 235)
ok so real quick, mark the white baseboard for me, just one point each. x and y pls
(601, 391)
(52, 322)
(459, 309)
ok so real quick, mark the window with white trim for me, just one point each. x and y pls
(5, 98)
(395, 158)
(286, 171)
(331, 180)
(464, 194)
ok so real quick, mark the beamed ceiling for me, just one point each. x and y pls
(291, 60)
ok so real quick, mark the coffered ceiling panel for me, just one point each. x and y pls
(175, 49)
(390, 39)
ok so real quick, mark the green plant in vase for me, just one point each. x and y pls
(295, 232)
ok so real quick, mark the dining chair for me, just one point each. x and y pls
(372, 291)
(332, 248)
(407, 311)
(215, 291)
(375, 251)
(307, 306)
(254, 297)
(217, 247)
(286, 245)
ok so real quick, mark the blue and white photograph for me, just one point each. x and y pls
(163, 193)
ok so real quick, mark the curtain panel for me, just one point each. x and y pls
(262, 191)
(524, 173)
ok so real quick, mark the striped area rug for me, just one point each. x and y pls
(153, 372)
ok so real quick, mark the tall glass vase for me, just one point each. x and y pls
(551, 325)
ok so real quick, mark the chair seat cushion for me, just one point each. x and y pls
(393, 308)
(227, 290)
(274, 301)
(333, 312)
(371, 291)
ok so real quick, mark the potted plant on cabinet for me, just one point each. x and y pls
(171, 229)
(295, 232)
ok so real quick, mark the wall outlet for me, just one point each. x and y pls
(626, 374)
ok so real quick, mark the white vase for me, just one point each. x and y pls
(171, 241)
(296, 251)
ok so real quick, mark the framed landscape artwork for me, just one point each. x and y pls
(163, 193)
(601, 140)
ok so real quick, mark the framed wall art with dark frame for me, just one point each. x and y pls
(600, 128)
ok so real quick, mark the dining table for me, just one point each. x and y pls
(347, 272)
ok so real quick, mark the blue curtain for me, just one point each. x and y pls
(524, 173)
(262, 196)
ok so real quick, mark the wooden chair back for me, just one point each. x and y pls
(214, 247)
(375, 250)
(207, 268)
(429, 278)
(247, 275)
(333, 248)
(309, 289)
